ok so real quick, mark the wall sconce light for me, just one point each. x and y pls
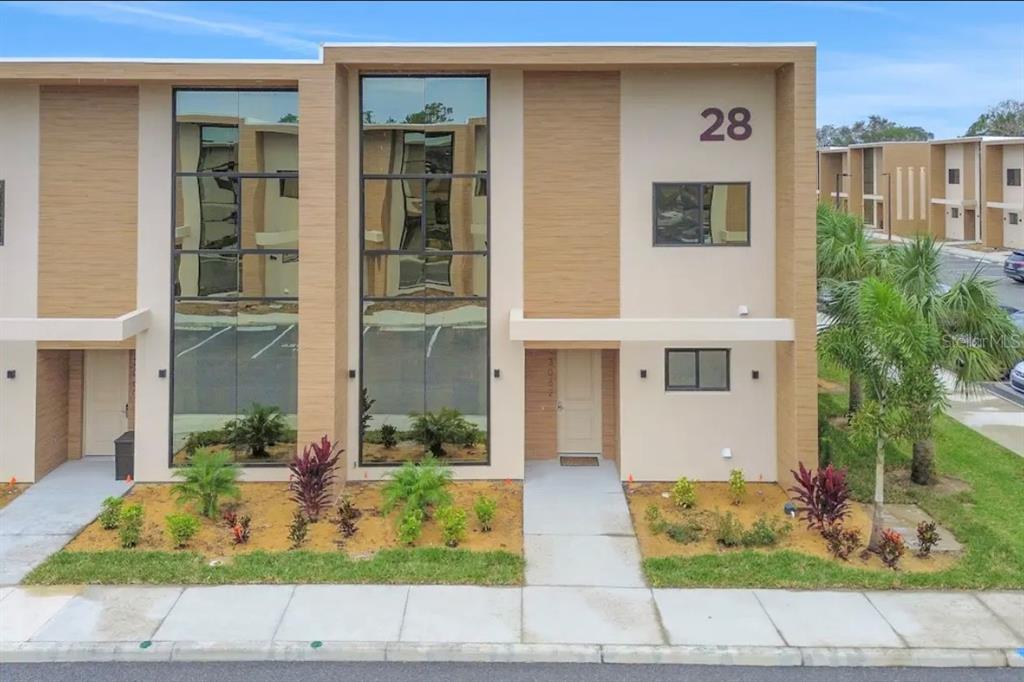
(161, 373)
(11, 373)
(351, 374)
(643, 374)
(497, 374)
(755, 374)
(743, 311)
(726, 453)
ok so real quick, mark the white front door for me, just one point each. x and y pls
(579, 401)
(106, 400)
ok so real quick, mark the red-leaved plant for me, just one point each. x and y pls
(312, 476)
(824, 495)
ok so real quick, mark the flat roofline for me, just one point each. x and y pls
(972, 138)
(865, 145)
(832, 150)
(1003, 140)
(568, 44)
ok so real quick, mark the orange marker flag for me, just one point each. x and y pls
(11, 483)
(129, 479)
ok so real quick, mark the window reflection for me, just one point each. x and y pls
(235, 273)
(425, 325)
(701, 214)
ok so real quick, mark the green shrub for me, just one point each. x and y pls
(129, 525)
(422, 486)
(737, 486)
(410, 526)
(485, 508)
(655, 522)
(388, 435)
(841, 542)
(259, 427)
(927, 537)
(298, 529)
(181, 528)
(447, 425)
(204, 439)
(891, 548)
(766, 532)
(684, 493)
(728, 530)
(207, 477)
(686, 532)
(453, 525)
(110, 513)
(365, 405)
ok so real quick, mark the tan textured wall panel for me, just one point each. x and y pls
(51, 411)
(610, 404)
(323, 280)
(541, 399)
(571, 194)
(796, 362)
(911, 157)
(88, 206)
(992, 187)
(76, 388)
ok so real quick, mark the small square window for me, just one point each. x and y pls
(702, 214)
(696, 369)
(954, 212)
(1014, 218)
(953, 175)
(1013, 177)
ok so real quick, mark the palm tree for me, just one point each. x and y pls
(207, 477)
(844, 254)
(977, 339)
(892, 345)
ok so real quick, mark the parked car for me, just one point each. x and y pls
(1017, 377)
(1013, 266)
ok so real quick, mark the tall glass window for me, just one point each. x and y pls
(869, 170)
(424, 272)
(235, 274)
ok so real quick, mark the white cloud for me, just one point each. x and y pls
(184, 19)
(941, 85)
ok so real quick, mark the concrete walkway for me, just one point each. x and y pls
(398, 622)
(46, 516)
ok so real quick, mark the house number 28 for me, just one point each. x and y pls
(738, 128)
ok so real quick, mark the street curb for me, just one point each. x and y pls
(703, 655)
(410, 652)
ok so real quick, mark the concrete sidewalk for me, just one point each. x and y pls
(46, 516)
(460, 623)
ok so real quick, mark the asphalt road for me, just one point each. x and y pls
(466, 672)
(1009, 292)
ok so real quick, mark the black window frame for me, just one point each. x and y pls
(696, 387)
(238, 250)
(701, 184)
(952, 179)
(1013, 174)
(3, 209)
(422, 250)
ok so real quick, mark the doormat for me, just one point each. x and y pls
(578, 461)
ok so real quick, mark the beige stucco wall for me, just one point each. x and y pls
(1013, 235)
(19, 256)
(665, 435)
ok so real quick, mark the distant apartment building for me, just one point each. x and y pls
(864, 176)
(1003, 213)
(956, 186)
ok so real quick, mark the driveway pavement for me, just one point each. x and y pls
(46, 516)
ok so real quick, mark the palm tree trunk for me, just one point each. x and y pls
(855, 394)
(922, 466)
(879, 501)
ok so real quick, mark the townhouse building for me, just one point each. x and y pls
(1003, 194)
(601, 250)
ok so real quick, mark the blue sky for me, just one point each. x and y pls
(935, 64)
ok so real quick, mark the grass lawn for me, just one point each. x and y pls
(418, 565)
(986, 515)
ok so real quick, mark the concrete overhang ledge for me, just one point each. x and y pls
(683, 329)
(74, 328)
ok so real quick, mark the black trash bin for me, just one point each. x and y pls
(124, 456)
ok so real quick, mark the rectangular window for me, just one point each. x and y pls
(953, 176)
(869, 171)
(1014, 218)
(697, 369)
(1013, 177)
(424, 269)
(702, 214)
(235, 273)
(954, 212)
